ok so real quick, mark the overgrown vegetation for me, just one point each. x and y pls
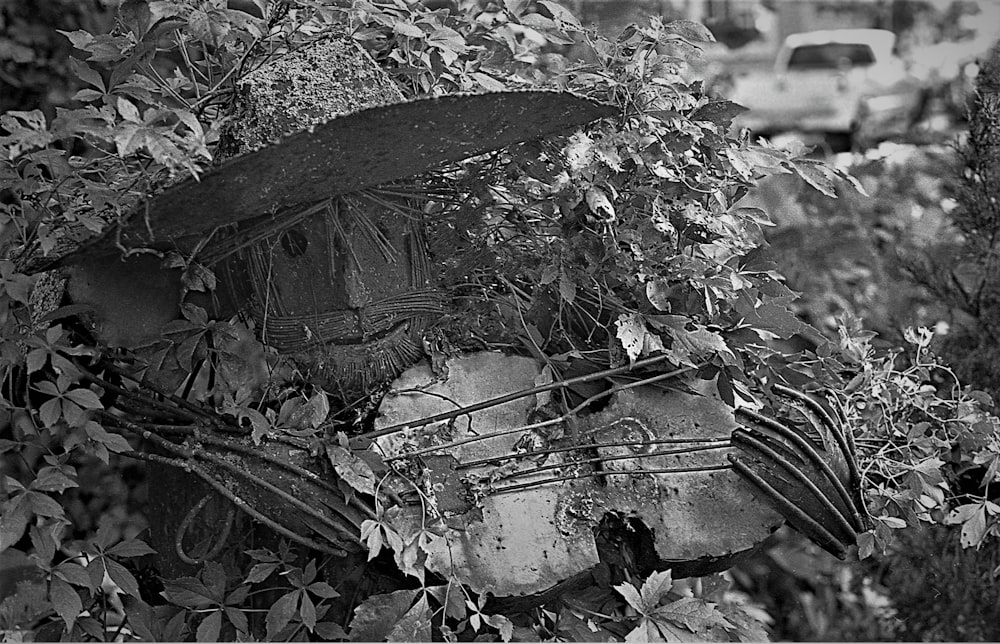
(913, 254)
(626, 234)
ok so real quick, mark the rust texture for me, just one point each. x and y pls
(306, 87)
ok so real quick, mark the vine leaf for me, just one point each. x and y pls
(689, 30)
(376, 534)
(66, 403)
(415, 625)
(451, 598)
(407, 29)
(188, 592)
(19, 510)
(688, 619)
(747, 628)
(773, 317)
(567, 288)
(502, 624)
(563, 17)
(15, 285)
(816, 174)
(515, 7)
(724, 385)
(694, 614)
(236, 616)
(102, 569)
(210, 628)
(268, 563)
(52, 479)
(281, 613)
(599, 204)
(866, 544)
(974, 520)
(377, 617)
(330, 631)
(105, 441)
(658, 293)
(295, 603)
(14, 522)
(646, 631)
(353, 470)
(654, 589)
(135, 15)
(307, 611)
(298, 414)
(130, 548)
(73, 574)
(26, 131)
(66, 602)
(696, 342)
(259, 423)
(718, 112)
(414, 538)
(635, 337)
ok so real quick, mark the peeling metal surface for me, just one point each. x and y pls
(351, 152)
(131, 299)
(509, 544)
(710, 513)
(542, 530)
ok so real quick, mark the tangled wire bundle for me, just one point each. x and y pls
(628, 460)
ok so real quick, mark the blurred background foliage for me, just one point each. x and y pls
(34, 56)
(919, 251)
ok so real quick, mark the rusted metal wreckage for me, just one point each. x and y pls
(313, 239)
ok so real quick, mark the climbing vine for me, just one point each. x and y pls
(627, 234)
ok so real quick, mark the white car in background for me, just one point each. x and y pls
(846, 84)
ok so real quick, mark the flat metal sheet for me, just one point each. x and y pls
(358, 150)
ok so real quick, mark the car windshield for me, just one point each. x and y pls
(831, 56)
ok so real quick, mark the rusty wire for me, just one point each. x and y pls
(219, 542)
(835, 526)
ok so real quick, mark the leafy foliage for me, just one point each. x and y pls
(842, 254)
(632, 225)
(809, 595)
(151, 109)
(929, 445)
(927, 431)
(620, 242)
(665, 617)
(925, 412)
(959, 270)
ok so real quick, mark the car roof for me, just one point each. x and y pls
(880, 40)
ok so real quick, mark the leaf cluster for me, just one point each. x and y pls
(666, 615)
(620, 242)
(927, 444)
(626, 239)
